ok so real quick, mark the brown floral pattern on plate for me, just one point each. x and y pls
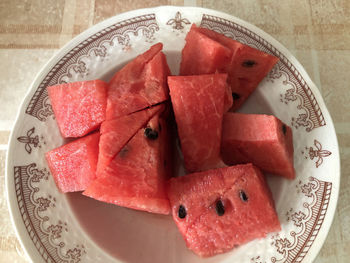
(316, 153)
(46, 235)
(307, 222)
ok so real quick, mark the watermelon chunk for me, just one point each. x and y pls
(117, 132)
(260, 139)
(246, 66)
(249, 67)
(220, 209)
(138, 85)
(203, 55)
(229, 43)
(198, 103)
(136, 177)
(79, 107)
(73, 165)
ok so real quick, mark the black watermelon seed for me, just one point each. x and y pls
(284, 129)
(243, 196)
(182, 212)
(249, 63)
(219, 208)
(151, 134)
(235, 96)
(124, 151)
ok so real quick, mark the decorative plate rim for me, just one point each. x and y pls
(18, 225)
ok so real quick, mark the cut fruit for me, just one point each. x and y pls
(220, 209)
(203, 55)
(139, 84)
(73, 165)
(136, 177)
(79, 107)
(259, 139)
(249, 67)
(117, 132)
(246, 66)
(198, 103)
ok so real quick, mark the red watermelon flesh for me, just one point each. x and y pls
(210, 57)
(232, 45)
(260, 139)
(117, 132)
(73, 165)
(79, 107)
(136, 177)
(203, 55)
(138, 85)
(246, 67)
(228, 100)
(220, 209)
(198, 103)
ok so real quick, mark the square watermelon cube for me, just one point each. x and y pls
(262, 140)
(79, 107)
(219, 209)
(73, 165)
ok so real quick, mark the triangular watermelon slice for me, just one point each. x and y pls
(220, 209)
(136, 177)
(117, 132)
(198, 103)
(246, 67)
(263, 140)
(139, 84)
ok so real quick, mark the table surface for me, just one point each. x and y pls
(317, 32)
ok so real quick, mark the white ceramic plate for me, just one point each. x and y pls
(54, 227)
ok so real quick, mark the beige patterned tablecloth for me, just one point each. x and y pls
(317, 32)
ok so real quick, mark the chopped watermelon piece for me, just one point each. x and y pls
(259, 139)
(73, 165)
(198, 103)
(229, 43)
(220, 209)
(249, 67)
(117, 132)
(138, 85)
(136, 177)
(246, 66)
(79, 107)
(203, 55)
